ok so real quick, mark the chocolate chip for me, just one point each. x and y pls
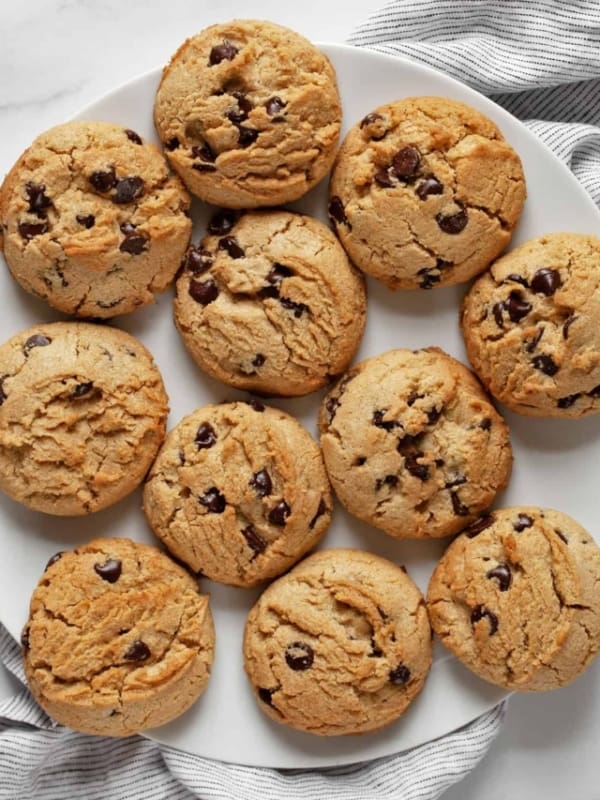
(336, 211)
(205, 436)
(389, 480)
(274, 105)
(497, 311)
(546, 281)
(595, 393)
(531, 344)
(82, 389)
(485, 424)
(137, 651)
(406, 162)
(502, 574)
(376, 652)
(379, 422)
(256, 405)
(38, 200)
(567, 402)
(87, 220)
(135, 242)
(276, 275)
(453, 223)
(261, 483)
(30, 229)
(400, 675)
(475, 528)
(279, 514)
(109, 570)
(545, 364)
(517, 306)
(243, 109)
(266, 696)
(25, 639)
(181, 455)
(246, 136)
(517, 279)
(213, 500)
(429, 186)
(523, 521)
(561, 535)
(254, 541)
(133, 136)
(420, 471)
(428, 278)
(319, 513)
(203, 292)
(37, 340)
(458, 479)
(204, 152)
(459, 508)
(197, 260)
(299, 656)
(103, 180)
(53, 559)
(383, 178)
(222, 222)
(258, 360)
(231, 246)
(222, 52)
(172, 144)
(292, 305)
(370, 119)
(128, 189)
(479, 612)
(433, 414)
(567, 324)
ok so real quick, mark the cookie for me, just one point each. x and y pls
(119, 638)
(412, 444)
(249, 114)
(82, 414)
(516, 598)
(425, 192)
(238, 493)
(339, 645)
(93, 223)
(270, 303)
(531, 326)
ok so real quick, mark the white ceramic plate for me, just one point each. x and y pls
(553, 460)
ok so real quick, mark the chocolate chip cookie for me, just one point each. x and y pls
(82, 414)
(92, 221)
(249, 114)
(270, 303)
(238, 492)
(425, 192)
(119, 638)
(532, 327)
(339, 645)
(412, 444)
(516, 598)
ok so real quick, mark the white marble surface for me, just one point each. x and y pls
(57, 56)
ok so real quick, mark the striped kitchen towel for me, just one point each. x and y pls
(540, 59)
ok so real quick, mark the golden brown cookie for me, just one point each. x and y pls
(425, 192)
(93, 223)
(516, 598)
(238, 492)
(532, 327)
(339, 645)
(82, 414)
(412, 444)
(119, 638)
(249, 113)
(270, 303)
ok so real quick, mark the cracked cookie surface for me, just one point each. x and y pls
(339, 645)
(238, 492)
(270, 303)
(92, 221)
(516, 598)
(249, 113)
(413, 445)
(425, 192)
(82, 414)
(531, 326)
(119, 638)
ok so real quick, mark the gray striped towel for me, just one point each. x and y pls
(540, 59)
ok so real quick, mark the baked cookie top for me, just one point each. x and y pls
(238, 492)
(119, 638)
(425, 192)
(516, 599)
(249, 113)
(92, 221)
(82, 414)
(412, 444)
(339, 645)
(532, 326)
(270, 303)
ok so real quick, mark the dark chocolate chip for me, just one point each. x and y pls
(128, 189)
(37, 340)
(213, 500)
(137, 651)
(531, 344)
(244, 108)
(205, 436)
(433, 414)
(30, 229)
(299, 656)
(429, 186)
(261, 483)
(266, 695)
(376, 652)
(567, 402)
(258, 360)
(25, 639)
(497, 311)
(231, 247)
(292, 305)
(274, 105)
(379, 422)
(567, 324)
(475, 528)
(82, 389)
(546, 281)
(517, 306)
(53, 559)
(502, 574)
(203, 292)
(135, 242)
(485, 424)
(479, 612)
(319, 513)
(133, 136)
(222, 222)
(87, 220)
(383, 178)
(247, 136)
(400, 675)
(458, 479)
(406, 162)
(254, 541)
(561, 535)
(370, 119)
(420, 471)
(181, 455)
(336, 211)
(279, 514)
(517, 279)
(428, 278)
(222, 52)
(389, 480)
(204, 152)
(276, 275)
(453, 223)
(38, 199)
(172, 144)
(545, 364)
(103, 180)
(523, 521)
(197, 260)
(109, 570)
(458, 506)
(256, 405)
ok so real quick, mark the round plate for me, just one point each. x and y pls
(552, 458)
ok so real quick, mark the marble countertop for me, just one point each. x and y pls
(58, 56)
